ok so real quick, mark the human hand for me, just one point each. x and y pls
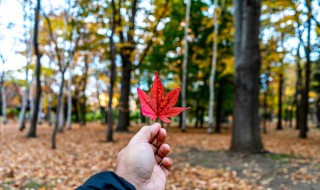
(144, 163)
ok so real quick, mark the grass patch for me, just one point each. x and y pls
(279, 157)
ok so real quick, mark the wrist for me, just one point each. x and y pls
(123, 173)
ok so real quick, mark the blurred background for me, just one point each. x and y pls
(250, 71)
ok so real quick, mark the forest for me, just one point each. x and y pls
(249, 72)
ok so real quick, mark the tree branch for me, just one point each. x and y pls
(154, 33)
(53, 39)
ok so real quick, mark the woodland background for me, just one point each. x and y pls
(249, 70)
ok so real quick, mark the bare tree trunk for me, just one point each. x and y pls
(61, 115)
(83, 98)
(298, 88)
(112, 75)
(49, 109)
(4, 103)
(246, 133)
(318, 113)
(22, 115)
(306, 89)
(124, 96)
(58, 110)
(28, 42)
(40, 111)
(184, 66)
(33, 126)
(213, 67)
(315, 112)
(69, 114)
(279, 125)
(265, 103)
(197, 113)
(219, 108)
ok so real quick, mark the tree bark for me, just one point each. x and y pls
(246, 133)
(39, 121)
(61, 118)
(58, 112)
(265, 103)
(112, 75)
(196, 125)
(4, 103)
(213, 69)
(49, 109)
(22, 115)
(33, 126)
(306, 89)
(69, 114)
(83, 98)
(279, 125)
(219, 108)
(298, 88)
(318, 113)
(28, 43)
(125, 92)
(184, 67)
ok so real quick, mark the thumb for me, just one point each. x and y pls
(147, 133)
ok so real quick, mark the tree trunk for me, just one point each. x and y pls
(202, 117)
(39, 121)
(213, 69)
(265, 103)
(246, 134)
(112, 76)
(4, 103)
(184, 67)
(279, 125)
(306, 89)
(83, 98)
(22, 115)
(58, 112)
(69, 114)
(298, 88)
(49, 109)
(197, 114)
(125, 92)
(61, 116)
(219, 108)
(318, 113)
(33, 126)
(28, 43)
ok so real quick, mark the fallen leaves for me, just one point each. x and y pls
(31, 163)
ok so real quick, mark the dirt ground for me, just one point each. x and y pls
(201, 161)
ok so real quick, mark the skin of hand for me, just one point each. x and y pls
(143, 161)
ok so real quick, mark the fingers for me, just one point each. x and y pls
(162, 152)
(166, 165)
(159, 139)
(147, 133)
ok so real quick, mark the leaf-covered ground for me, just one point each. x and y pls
(200, 160)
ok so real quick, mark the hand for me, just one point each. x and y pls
(144, 163)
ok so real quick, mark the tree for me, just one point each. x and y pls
(184, 66)
(246, 134)
(306, 87)
(28, 53)
(128, 48)
(112, 73)
(3, 93)
(34, 118)
(63, 61)
(213, 66)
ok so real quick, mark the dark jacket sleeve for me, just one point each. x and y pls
(106, 180)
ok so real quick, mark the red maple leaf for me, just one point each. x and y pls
(158, 104)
